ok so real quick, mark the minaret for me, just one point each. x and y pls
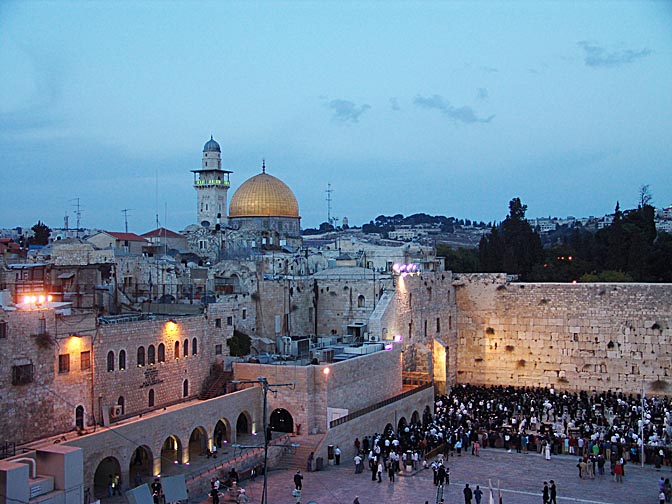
(211, 184)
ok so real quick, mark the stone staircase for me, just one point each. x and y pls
(297, 458)
(217, 383)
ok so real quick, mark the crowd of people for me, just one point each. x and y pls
(600, 428)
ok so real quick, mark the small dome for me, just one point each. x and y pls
(264, 196)
(211, 146)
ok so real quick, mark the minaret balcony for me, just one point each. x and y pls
(211, 183)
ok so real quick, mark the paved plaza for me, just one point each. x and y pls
(520, 477)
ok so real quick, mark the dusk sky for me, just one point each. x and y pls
(447, 108)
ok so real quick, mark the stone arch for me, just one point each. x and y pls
(401, 425)
(171, 452)
(141, 466)
(243, 424)
(415, 417)
(281, 420)
(361, 301)
(198, 442)
(222, 432)
(106, 469)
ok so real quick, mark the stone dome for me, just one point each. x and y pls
(211, 146)
(264, 196)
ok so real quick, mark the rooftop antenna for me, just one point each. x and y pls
(78, 213)
(331, 220)
(125, 212)
(263, 166)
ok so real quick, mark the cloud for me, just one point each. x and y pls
(462, 114)
(482, 94)
(346, 111)
(596, 56)
(394, 104)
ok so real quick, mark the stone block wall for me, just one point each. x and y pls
(165, 379)
(571, 336)
(425, 311)
(47, 405)
(352, 384)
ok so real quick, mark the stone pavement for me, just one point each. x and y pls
(520, 477)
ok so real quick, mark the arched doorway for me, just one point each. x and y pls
(141, 466)
(281, 421)
(415, 418)
(401, 425)
(242, 425)
(79, 417)
(389, 429)
(198, 442)
(171, 453)
(427, 416)
(106, 470)
(220, 435)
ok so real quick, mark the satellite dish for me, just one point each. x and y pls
(205, 224)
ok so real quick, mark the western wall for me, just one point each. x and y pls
(598, 336)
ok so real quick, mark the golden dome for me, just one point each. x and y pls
(264, 196)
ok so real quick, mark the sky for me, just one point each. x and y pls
(446, 108)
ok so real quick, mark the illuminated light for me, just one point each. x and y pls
(396, 267)
(26, 299)
(187, 463)
(326, 371)
(569, 258)
(254, 433)
(50, 298)
(398, 338)
(40, 299)
(573, 281)
(388, 346)
(33, 299)
(175, 462)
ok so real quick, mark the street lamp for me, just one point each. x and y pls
(266, 387)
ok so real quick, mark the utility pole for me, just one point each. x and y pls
(266, 387)
(125, 212)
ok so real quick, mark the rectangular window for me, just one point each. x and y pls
(425, 329)
(218, 322)
(229, 320)
(85, 360)
(438, 325)
(244, 314)
(3, 329)
(218, 349)
(42, 328)
(22, 375)
(64, 363)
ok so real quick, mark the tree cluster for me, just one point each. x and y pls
(628, 250)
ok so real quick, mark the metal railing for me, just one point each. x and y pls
(378, 405)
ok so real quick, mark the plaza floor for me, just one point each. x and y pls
(520, 478)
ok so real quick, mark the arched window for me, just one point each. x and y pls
(110, 360)
(360, 301)
(122, 360)
(141, 356)
(185, 347)
(194, 346)
(151, 398)
(121, 402)
(151, 355)
(161, 354)
(177, 349)
(185, 388)
(79, 417)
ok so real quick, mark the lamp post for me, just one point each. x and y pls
(266, 387)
